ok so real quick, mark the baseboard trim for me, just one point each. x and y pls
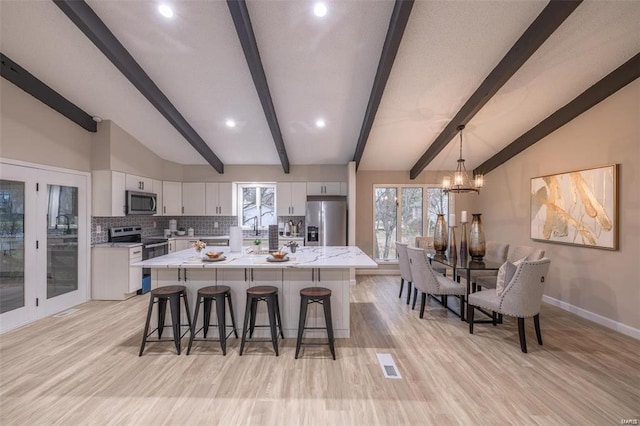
(598, 319)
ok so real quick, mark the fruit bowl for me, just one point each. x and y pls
(213, 254)
(279, 255)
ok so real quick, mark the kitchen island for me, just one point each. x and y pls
(327, 267)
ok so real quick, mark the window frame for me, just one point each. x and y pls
(240, 187)
(398, 187)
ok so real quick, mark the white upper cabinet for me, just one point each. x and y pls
(326, 188)
(292, 198)
(193, 199)
(219, 199)
(108, 193)
(171, 198)
(137, 183)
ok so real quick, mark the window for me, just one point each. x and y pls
(403, 212)
(257, 205)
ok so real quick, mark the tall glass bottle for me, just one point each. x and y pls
(440, 235)
(477, 247)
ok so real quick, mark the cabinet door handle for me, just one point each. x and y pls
(251, 275)
(182, 209)
(164, 209)
(185, 274)
(137, 252)
(318, 274)
(313, 275)
(179, 279)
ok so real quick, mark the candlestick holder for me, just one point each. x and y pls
(453, 252)
(463, 241)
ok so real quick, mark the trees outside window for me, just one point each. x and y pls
(257, 205)
(403, 212)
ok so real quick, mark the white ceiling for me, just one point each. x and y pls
(322, 68)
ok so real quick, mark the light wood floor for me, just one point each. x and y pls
(85, 369)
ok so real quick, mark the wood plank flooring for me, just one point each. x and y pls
(85, 369)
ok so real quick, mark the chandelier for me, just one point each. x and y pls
(460, 181)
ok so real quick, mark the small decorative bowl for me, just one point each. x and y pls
(213, 254)
(279, 255)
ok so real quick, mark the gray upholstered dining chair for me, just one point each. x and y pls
(496, 252)
(405, 270)
(428, 282)
(514, 253)
(521, 297)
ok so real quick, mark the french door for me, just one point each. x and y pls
(43, 243)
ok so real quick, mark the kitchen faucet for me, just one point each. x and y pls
(255, 225)
(67, 224)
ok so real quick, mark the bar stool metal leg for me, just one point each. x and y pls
(272, 321)
(326, 304)
(146, 325)
(278, 316)
(304, 303)
(247, 314)
(233, 321)
(222, 332)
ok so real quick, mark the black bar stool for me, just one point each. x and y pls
(267, 294)
(161, 295)
(315, 295)
(207, 295)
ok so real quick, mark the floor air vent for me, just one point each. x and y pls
(66, 313)
(389, 368)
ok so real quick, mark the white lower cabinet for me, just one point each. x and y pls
(111, 276)
(333, 279)
(289, 283)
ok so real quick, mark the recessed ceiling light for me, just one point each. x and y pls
(97, 119)
(230, 123)
(320, 9)
(165, 11)
(320, 123)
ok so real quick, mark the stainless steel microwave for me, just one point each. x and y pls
(141, 202)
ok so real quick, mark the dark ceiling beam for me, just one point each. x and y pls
(45, 94)
(551, 17)
(397, 25)
(92, 26)
(242, 22)
(604, 88)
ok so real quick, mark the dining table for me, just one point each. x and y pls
(465, 264)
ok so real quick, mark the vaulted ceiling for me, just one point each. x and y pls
(322, 68)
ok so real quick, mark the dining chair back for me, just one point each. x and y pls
(405, 269)
(428, 282)
(516, 253)
(521, 297)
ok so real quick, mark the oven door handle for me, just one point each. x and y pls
(156, 245)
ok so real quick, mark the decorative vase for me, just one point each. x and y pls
(453, 251)
(463, 241)
(440, 235)
(476, 238)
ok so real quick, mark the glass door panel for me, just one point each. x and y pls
(62, 240)
(385, 222)
(12, 266)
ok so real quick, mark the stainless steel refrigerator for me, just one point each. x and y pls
(326, 221)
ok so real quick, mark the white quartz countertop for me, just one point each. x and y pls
(117, 245)
(200, 237)
(304, 258)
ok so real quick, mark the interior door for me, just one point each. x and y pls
(62, 241)
(44, 236)
(18, 261)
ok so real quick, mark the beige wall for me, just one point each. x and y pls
(603, 282)
(31, 131)
(364, 199)
(130, 156)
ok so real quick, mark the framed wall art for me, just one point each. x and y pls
(578, 208)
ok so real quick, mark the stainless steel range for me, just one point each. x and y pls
(151, 247)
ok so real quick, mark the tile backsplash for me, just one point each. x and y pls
(153, 226)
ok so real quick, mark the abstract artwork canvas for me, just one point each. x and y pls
(578, 208)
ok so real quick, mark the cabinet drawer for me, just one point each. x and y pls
(135, 252)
